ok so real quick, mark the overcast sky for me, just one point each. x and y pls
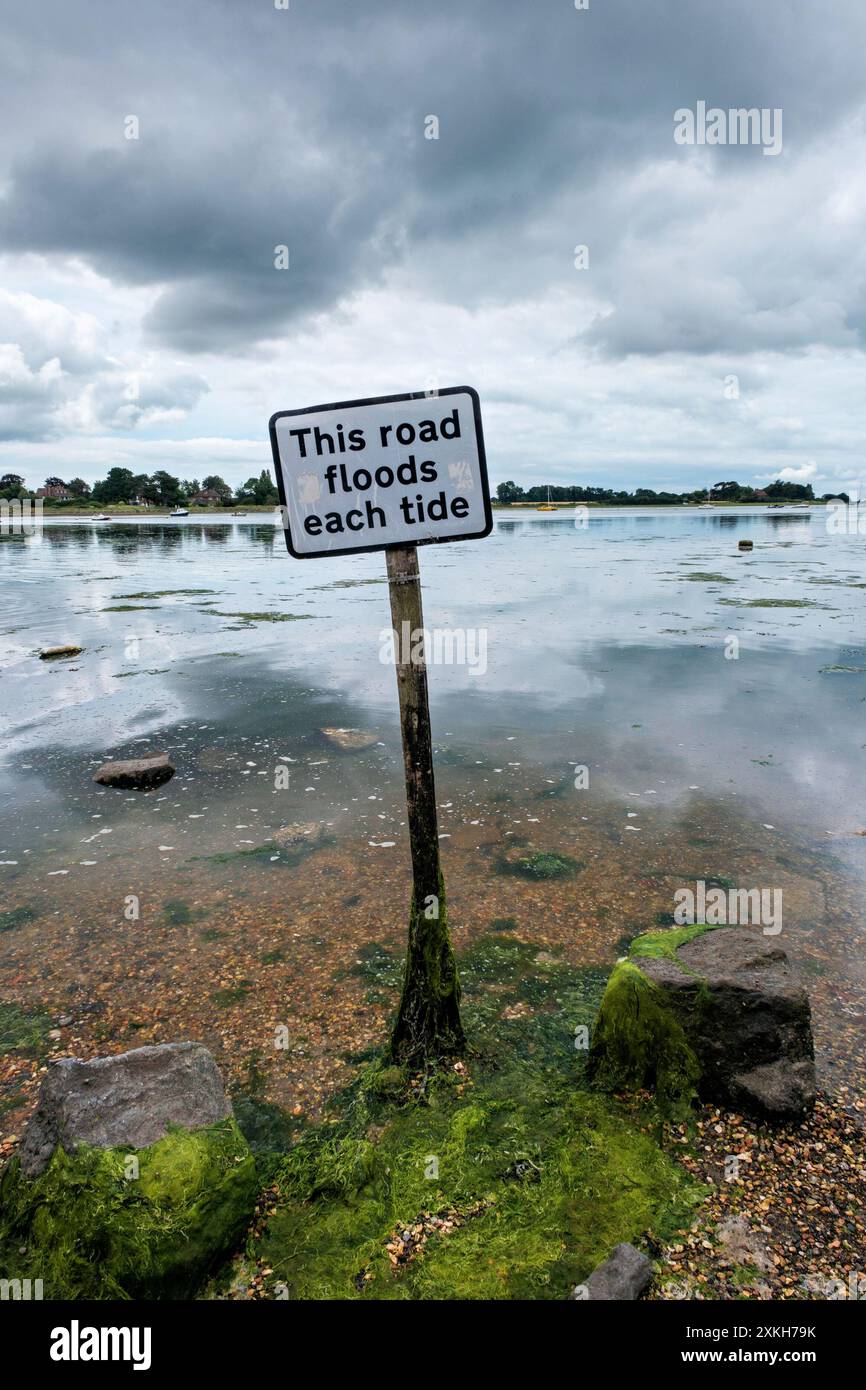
(143, 321)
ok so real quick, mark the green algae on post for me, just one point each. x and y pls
(428, 1024)
(428, 1019)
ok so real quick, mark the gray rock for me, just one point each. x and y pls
(624, 1275)
(300, 833)
(350, 740)
(137, 773)
(125, 1101)
(54, 653)
(740, 1245)
(746, 1017)
(780, 1090)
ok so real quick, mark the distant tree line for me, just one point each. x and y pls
(511, 493)
(159, 489)
(162, 489)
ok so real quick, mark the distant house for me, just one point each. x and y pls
(57, 492)
(207, 498)
(760, 495)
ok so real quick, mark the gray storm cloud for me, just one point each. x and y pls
(260, 128)
(305, 128)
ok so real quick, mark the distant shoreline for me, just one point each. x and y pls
(59, 512)
(656, 502)
(78, 513)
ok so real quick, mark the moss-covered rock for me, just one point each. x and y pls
(639, 1041)
(639, 1044)
(127, 1223)
(710, 1011)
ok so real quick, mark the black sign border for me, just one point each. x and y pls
(384, 400)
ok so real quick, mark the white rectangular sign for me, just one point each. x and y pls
(386, 471)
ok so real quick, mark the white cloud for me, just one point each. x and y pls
(804, 474)
(58, 376)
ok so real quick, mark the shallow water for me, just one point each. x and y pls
(607, 647)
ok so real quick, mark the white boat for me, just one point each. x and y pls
(102, 516)
(179, 511)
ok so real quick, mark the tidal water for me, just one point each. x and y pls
(715, 699)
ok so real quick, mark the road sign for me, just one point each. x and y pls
(392, 473)
(382, 472)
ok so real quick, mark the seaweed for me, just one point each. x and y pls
(121, 1223)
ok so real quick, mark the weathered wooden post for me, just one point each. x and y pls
(392, 473)
(428, 1022)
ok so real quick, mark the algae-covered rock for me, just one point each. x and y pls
(121, 1223)
(713, 1011)
(132, 1180)
(126, 1101)
(540, 866)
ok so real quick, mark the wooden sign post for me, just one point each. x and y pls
(392, 473)
(428, 1022)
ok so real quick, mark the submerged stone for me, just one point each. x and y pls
(541, 865)
(300, 833)
(350, 740)
(136, 773)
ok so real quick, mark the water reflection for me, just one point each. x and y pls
(609, 646)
